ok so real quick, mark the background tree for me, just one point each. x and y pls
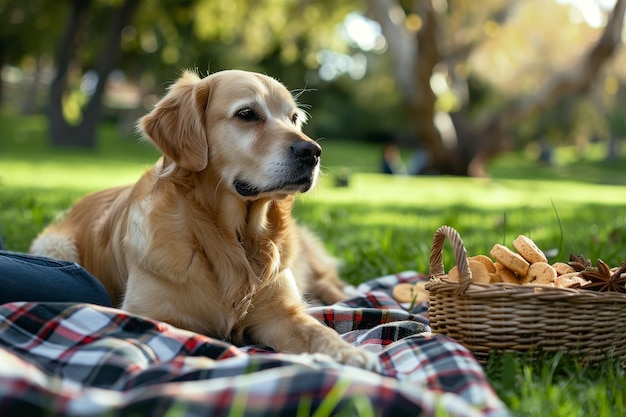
(82, 132)
(203, 34)
(474, 66)
(25, 41)
(421, 44)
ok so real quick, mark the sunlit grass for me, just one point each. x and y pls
(559, 386)
(85, 176)
(478, 192)
(382, 224)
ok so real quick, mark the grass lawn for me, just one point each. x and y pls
(384, 224)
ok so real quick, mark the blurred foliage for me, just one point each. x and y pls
(290, 39)
(538, 39)
(24, 24)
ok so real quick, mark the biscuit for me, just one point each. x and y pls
(540, 273)
(562, 268)
(569, 280)
(480, 274)
(406, 293)
(505, 274)
(495, 278)
(484, 259)
(529, 251)
(453, 274)
(510, 259)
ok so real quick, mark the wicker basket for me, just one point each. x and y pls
(522, 318)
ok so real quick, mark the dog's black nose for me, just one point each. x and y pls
(306, 152)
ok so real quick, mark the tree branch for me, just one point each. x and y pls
(462, 52)
(576, 80)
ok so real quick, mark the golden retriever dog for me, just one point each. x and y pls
(205, 239)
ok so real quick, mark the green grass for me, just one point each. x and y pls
(558, 386)
(383, 224)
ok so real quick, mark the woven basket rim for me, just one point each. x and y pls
(501, 289)
(465, 287)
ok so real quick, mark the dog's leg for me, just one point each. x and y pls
(295, 331)
(317, 271)
(279, 320)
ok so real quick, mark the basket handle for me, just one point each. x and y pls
(436, 268)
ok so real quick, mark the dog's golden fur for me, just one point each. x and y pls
(205, 239)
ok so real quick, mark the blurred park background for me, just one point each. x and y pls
(452, 84)
(508, 114)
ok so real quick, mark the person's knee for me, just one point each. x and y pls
(25, 277)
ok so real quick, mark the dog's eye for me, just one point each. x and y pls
(248, 114)
(294, 118)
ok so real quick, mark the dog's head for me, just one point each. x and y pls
(244, 126)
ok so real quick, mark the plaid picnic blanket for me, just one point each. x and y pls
(85, 360)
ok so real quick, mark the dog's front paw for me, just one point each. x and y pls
(360, 358)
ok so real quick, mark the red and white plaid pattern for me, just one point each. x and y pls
(84, 360)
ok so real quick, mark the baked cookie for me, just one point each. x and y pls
(510, 259)
(406, 293)
(486, 261)
(569, 280)
(506, 275)
(494, 278)
(540, 273)
(529, 251)
(562, 268)
(453, 274)
(480, 273)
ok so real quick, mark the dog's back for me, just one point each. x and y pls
(85, 237)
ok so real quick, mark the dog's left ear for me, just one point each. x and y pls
(177, 123)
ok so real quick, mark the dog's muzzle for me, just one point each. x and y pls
(299, 174)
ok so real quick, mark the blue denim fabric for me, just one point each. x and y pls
(26, 277)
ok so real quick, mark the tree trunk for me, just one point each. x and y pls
(443, 158)
(107, 61)
(29, 105)
(402, 44)
(83, 135)
(2, 58)
(60, 131)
